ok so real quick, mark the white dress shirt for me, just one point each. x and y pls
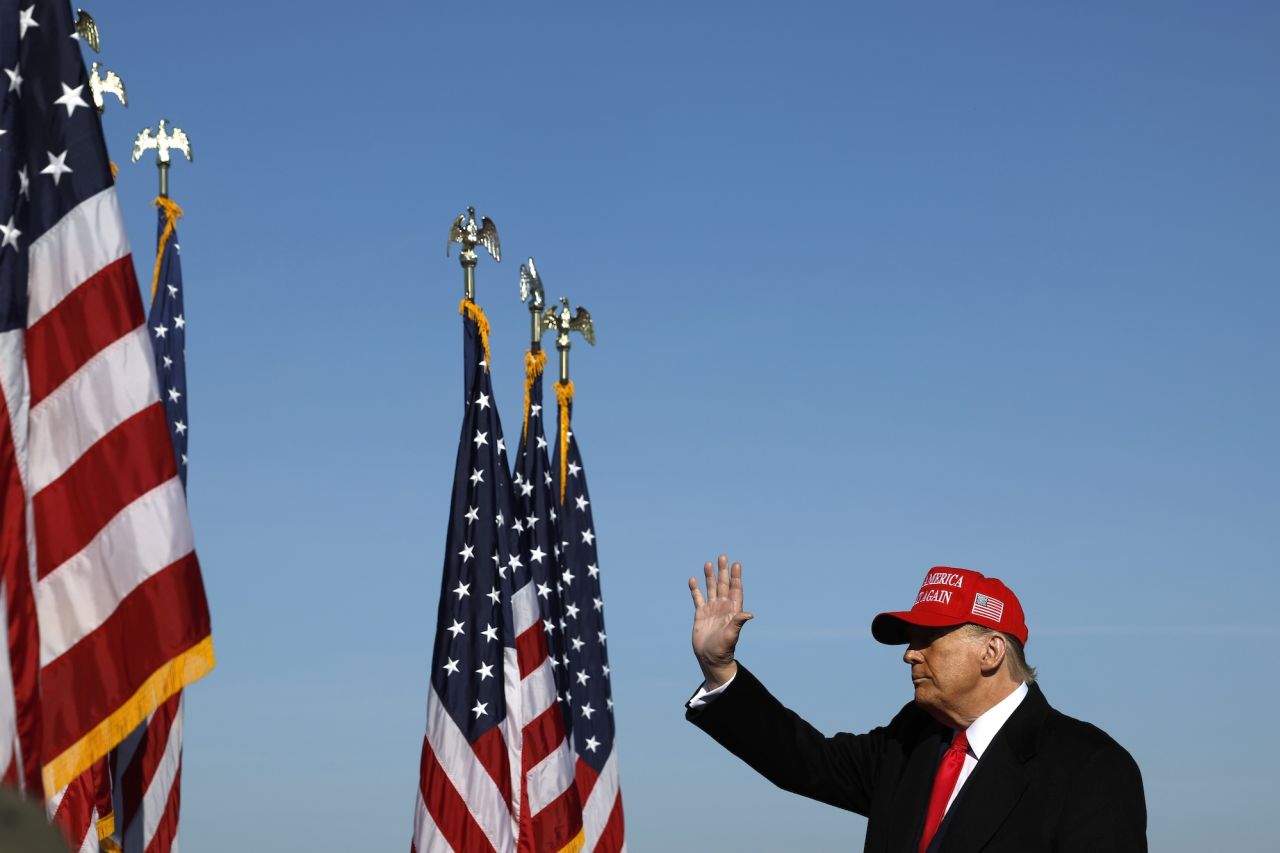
(703, 696)
(980, 732)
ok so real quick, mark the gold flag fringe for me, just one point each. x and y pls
(467, 308)
(534, 362)
(172, 213)
(173, 676)
(107, 828)
(564, 395)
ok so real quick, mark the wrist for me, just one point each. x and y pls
(715, 675)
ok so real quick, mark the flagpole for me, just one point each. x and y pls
(164, 140)
(535, 321)
(565, 322)
(468, 276)
(564, 357)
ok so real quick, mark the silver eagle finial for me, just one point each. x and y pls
(109, 85)
(87, 29)
(164, 141)
(531, 286)
(563, 321)
(470, 235)
(531, 292)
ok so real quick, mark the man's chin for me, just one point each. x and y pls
(926, 702)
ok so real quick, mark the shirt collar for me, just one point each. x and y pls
(983, 730)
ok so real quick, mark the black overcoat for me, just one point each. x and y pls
(1047, 782)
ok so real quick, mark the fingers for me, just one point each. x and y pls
(698, 600)
(722, 581)
(735, 585)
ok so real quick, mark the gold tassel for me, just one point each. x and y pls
(115, 170)
(172, 213)
(533, 364)
(467, 308)
(564, 394)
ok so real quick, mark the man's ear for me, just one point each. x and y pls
(994, 649)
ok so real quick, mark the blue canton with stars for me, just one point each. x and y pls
(481, 563)
(52, 153)
(588, 654)
(168, 328)
(539, 541)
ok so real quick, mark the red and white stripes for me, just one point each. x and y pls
(550, 808)
(20, 638)
(106, 552)
(82, 810)
(464, 797)
(601, 806)
(514, 789)
(148, 777)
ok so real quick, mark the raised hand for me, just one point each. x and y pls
(717, 621)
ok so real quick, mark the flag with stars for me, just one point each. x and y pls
(120, 620)
(469, 786)
(168, 325)
(20, 639)
(146, 769)
(554, 813)
(590, 694)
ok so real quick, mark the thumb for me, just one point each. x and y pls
(740, 619)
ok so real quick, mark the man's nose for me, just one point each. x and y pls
(911, 655)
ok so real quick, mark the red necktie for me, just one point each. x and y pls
(944, 782)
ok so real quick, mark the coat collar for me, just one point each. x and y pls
(999, 780)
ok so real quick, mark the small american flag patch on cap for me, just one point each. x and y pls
(986, 606)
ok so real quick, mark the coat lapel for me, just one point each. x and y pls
(911, 798)
(998, 781)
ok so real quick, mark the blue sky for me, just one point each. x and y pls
(877, 287)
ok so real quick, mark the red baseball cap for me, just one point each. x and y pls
(952, 596)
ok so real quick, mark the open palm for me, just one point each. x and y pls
(718, 618)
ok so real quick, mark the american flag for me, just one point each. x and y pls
(100, 576)
(167, 323)
(146, 777)
(147, 767)
(587, 656)
(82, 810)
(469, 787)
(548, 759)
(991, 608)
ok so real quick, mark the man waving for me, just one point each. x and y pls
(978, 761)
